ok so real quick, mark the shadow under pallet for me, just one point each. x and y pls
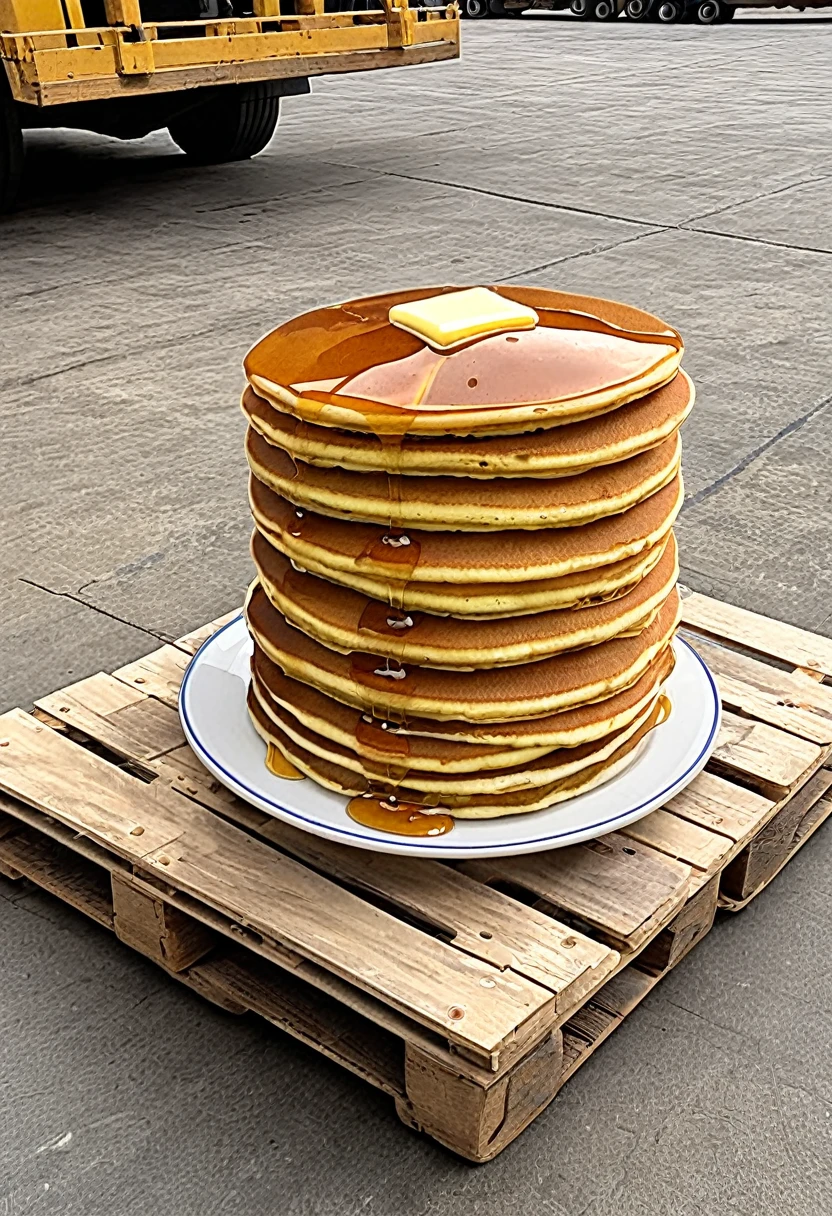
(469, 992)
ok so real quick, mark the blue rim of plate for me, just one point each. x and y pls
(235, 784)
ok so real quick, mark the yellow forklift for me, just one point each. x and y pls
(211, 71)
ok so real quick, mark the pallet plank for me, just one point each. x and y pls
(477, 919)
(614, 884)
(53, 774)
(726, 808)
(229, 870)
(78, 882)
(158, 674)
(679, 838)
(281, 899)
(760, 633)
(794, 701)
(126, 720)
(772, 759)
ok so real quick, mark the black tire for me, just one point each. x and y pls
(11, 146)
(729, 12)
(236, 123)
(474, 10)
(638, 10)
(584, 10)
(668, 12)
(605, 10)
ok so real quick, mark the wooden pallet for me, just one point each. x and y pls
(468, 992)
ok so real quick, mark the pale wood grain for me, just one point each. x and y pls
(760, 633)
(773, 759)
(794, 701)
(158, 674)
(614, 884)
(123, 718)
(725, 808)
(477, 919)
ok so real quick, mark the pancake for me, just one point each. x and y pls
(542, 771)
(348, 366)
(527, 690)
(462, 503)
(348, 621)
(348, 552)
(484, 601)
(463, 805)
(454, 746)
(556, 452)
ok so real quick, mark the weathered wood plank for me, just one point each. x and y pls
(124, 719)
(249, 880)
(314, 1018)
(793, 701)
(73, 879)
(689, 842)
(474, 917)
(283, 900)
(158, 674)
(722, 806)
(760, 633)
(770, 758)
(766, 853)
(616, 885)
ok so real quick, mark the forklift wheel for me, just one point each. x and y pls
(670, 11)
(11, 146)
(475, 9)
(606, 10)
(584, 10)
(234, 124)
(638, 10)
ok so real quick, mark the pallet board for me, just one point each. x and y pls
(469, 991)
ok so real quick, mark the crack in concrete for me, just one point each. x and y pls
(582, 253)
(76, 599)
(760, 450)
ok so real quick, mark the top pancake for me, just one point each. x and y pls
(556, 452)
(348, 366)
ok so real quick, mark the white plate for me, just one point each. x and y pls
(212, 705)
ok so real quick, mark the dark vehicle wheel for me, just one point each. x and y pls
(475, 9)
(11, 146)
(584, 10)
(638, 10)
(605, 10)
(729, 12)
(236, 123)
(669, 11)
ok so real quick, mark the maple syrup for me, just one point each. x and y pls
(381, 735)
(665, 708)
(385, 813)
(390, 622)
(277, 763)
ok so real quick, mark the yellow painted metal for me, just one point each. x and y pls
(44, 70)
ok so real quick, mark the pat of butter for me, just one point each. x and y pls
(458, 316)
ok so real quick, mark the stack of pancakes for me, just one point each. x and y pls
(466, 570)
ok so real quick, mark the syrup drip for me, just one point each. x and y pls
(665, 707)
(388, 621)
(386, 814)
(365, 666)
(381, 736)
(297, 524)
(393, 548)
(277, 763)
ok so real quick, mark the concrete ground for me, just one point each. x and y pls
(685, 169)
